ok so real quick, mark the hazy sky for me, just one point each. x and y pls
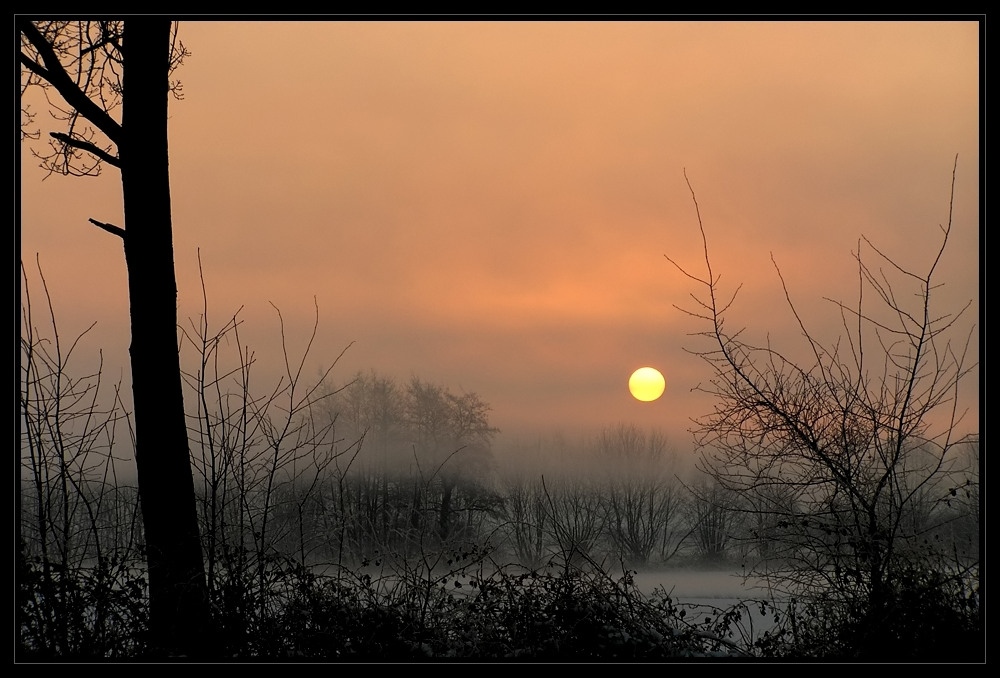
(487, 205)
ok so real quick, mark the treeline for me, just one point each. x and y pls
(355, 507)
(342, 509)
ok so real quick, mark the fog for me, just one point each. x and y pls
(487, 205)
(417, 262)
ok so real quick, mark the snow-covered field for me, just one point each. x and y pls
(689, 583)
(708, 590)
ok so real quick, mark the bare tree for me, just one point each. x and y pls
(525, 519)
(424, 464)
(642, 496)
(371, 405)
(576, 517)
(858, 435)
(714, 514)
(113, 102)
(77, 528)
(260, 460)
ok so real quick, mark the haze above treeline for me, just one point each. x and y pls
(487, 205)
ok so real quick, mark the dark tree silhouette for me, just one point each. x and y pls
(847, 457)
(100, 69)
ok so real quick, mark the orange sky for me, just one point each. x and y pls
(487, 205)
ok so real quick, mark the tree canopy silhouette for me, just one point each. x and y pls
(109, 82)
(846, 457)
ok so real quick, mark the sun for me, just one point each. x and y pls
(646, 384)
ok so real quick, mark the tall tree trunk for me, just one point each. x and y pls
(178, 594)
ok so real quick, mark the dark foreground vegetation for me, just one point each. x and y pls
(464, 614)
(289, 613)
(374, 522)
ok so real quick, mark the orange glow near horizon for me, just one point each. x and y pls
(487, 204)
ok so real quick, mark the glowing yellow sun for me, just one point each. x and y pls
(646, 384)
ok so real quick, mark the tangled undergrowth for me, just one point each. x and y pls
(460, 613)
(466, 612)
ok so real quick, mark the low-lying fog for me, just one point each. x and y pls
(699, 584)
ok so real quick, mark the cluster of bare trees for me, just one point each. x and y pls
(420, 467)
(849, 463)
(306, 476)
(839, 475)
(77, 525)
(618, 500)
